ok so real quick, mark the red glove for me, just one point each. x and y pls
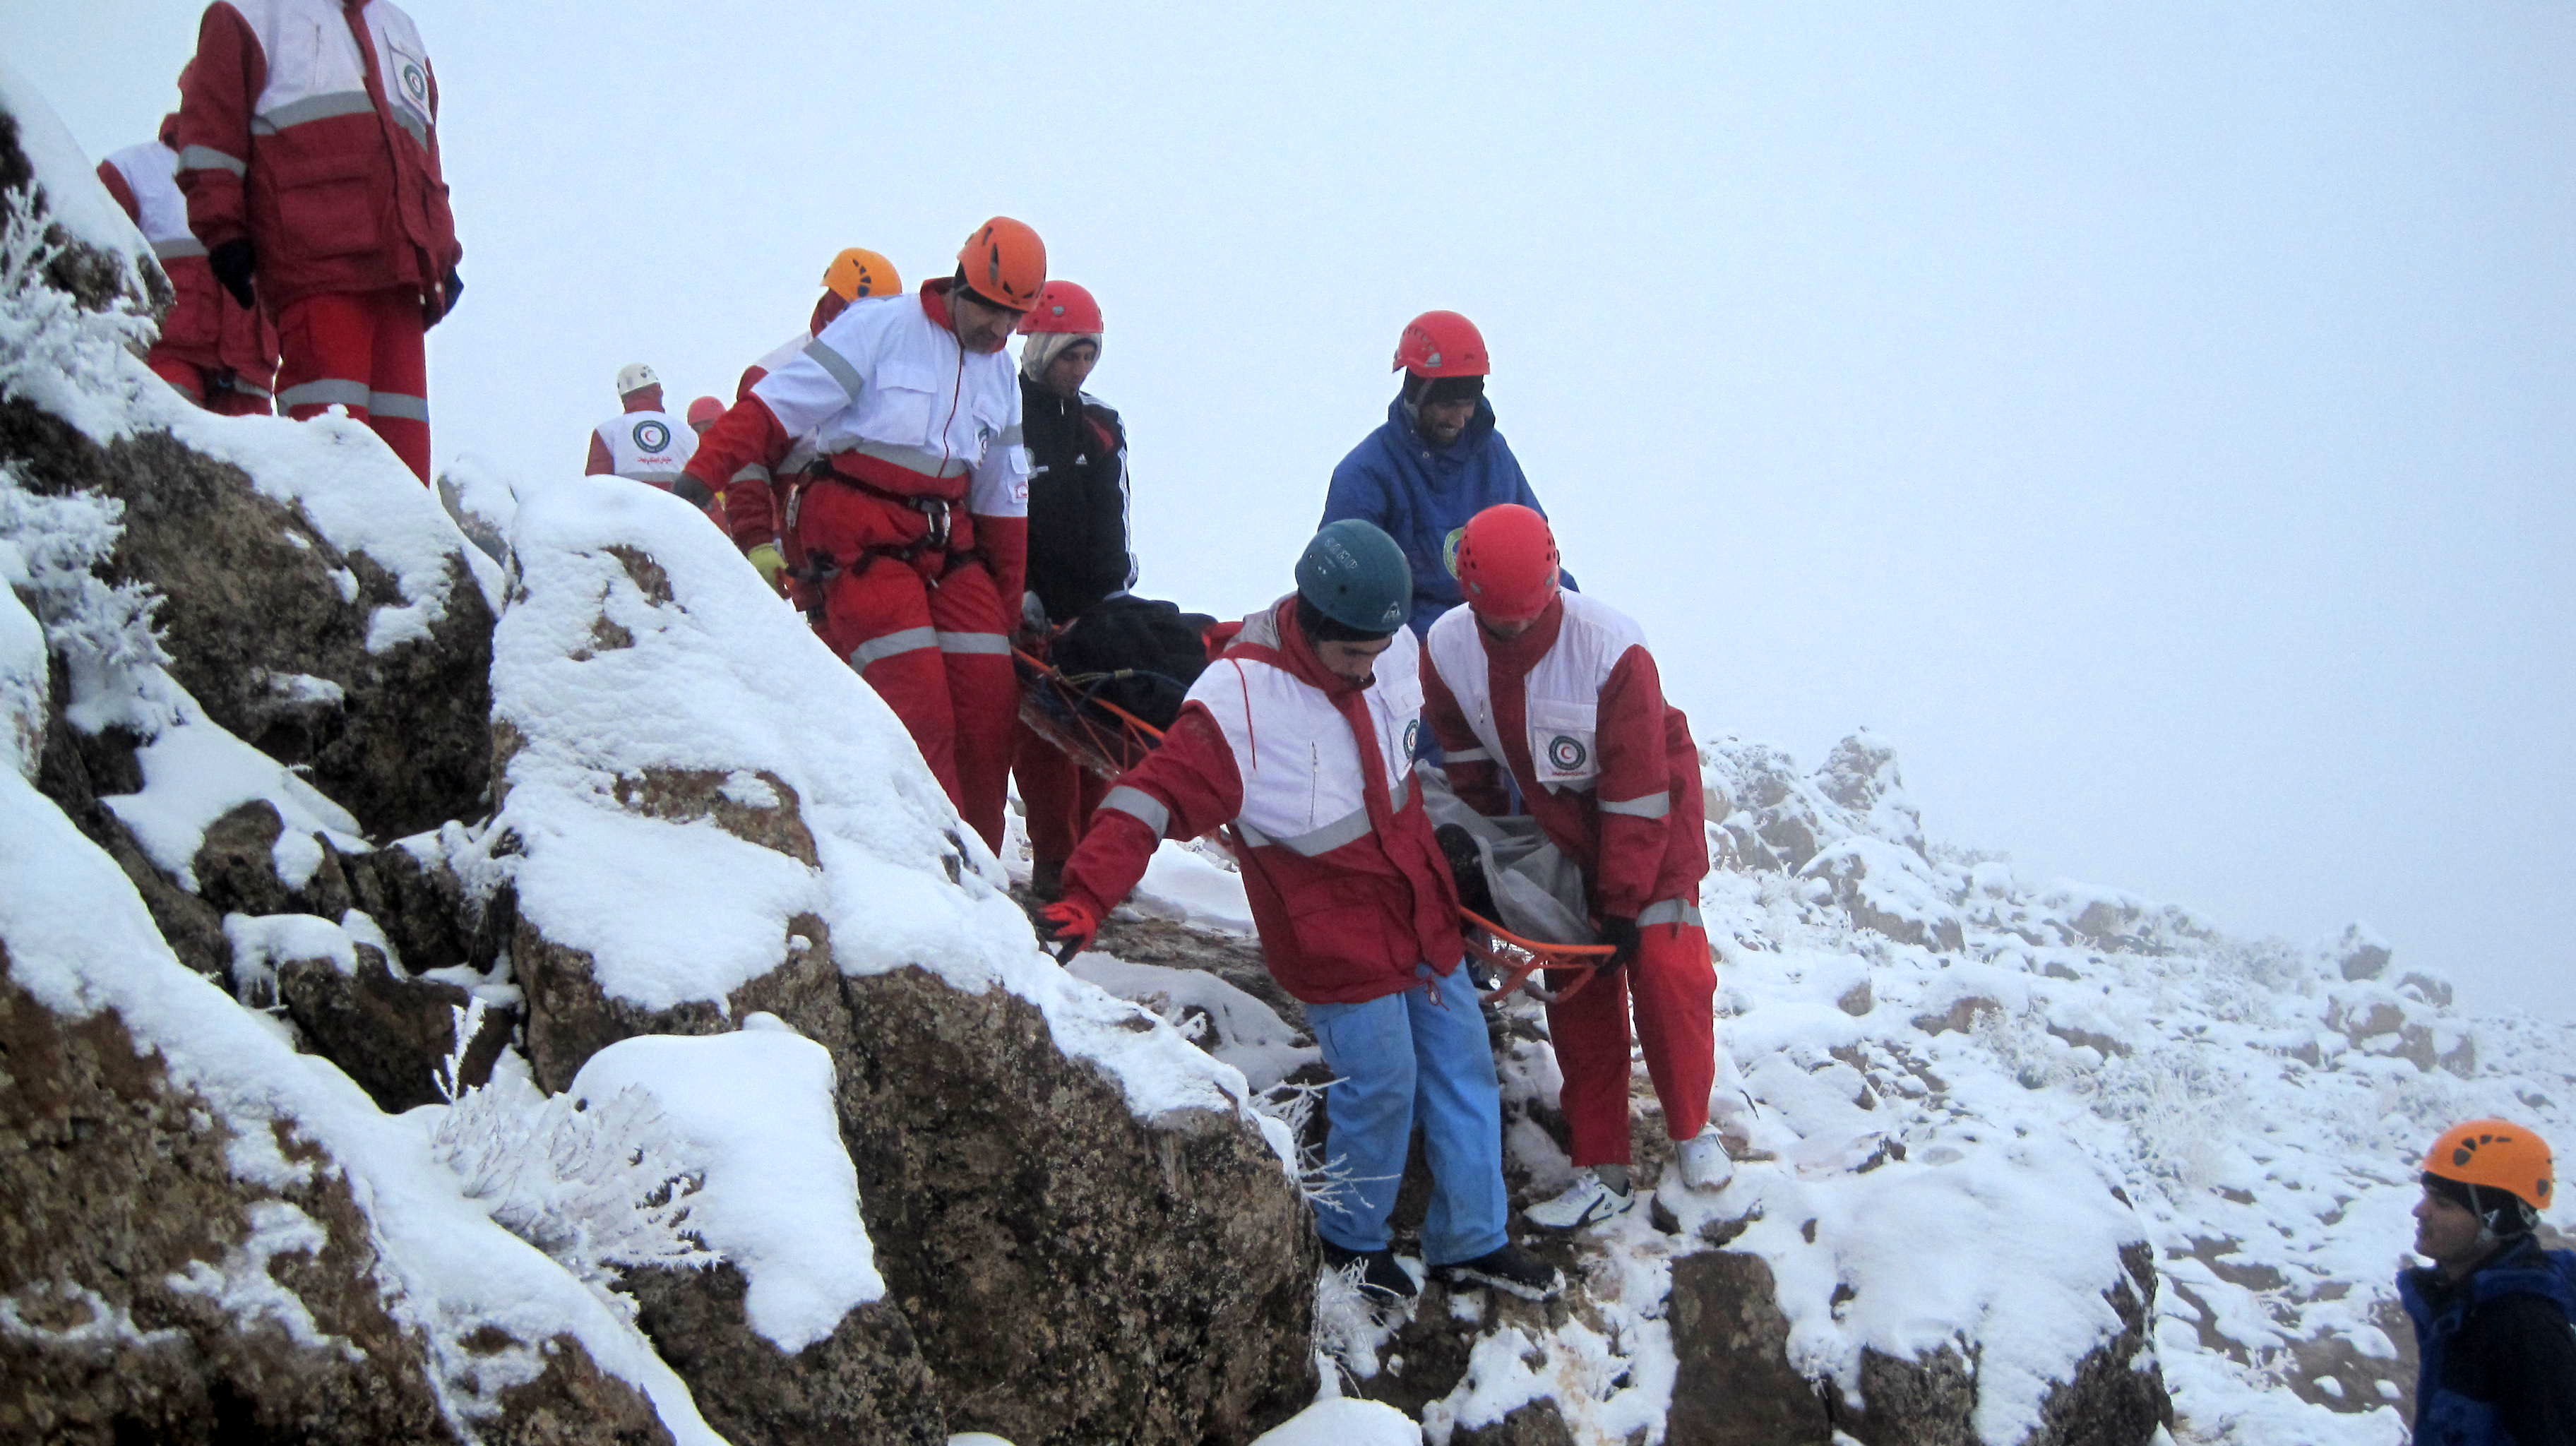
(1076, 926)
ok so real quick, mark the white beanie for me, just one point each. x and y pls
(1043, 347)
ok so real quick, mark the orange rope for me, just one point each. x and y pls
(1519, 958)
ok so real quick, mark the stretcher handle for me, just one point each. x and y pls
(1130, 719)
(1527, 957)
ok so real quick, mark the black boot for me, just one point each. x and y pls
(1509, 1269)
(1380, 1275)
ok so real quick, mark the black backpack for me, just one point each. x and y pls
(1137, 653)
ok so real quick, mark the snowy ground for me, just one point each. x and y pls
(1926, 1106)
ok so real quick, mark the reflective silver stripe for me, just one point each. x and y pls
(1653, 805)
(412, 126)
(1346, 829)
(658, 479)
(312, 108)
(752, 473)
(1010, 436)
(1137, 804)
(398, 404)
(909, 640)
(911, 459)
(975, 643)
(207, 158)
(179, 250)
(1670, 911)
(324, 394)
(249, 389)
(1468, 755)
(838, 365)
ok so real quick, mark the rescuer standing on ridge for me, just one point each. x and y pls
(220, 354)
(2494, 1314)
(1436, 461)
(308, 149)
(1078, 546)
(1301, 739)
(1557, 694)
(643, 442)
(911, 523)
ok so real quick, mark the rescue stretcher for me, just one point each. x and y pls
(1107, 740)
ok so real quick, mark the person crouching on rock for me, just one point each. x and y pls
(1558, 691)
(1300, 738)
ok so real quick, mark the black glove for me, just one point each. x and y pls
(1620, 933)
(443, 306)
(233, 262)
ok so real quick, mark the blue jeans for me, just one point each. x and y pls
(1402, 1061)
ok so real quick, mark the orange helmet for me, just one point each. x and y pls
(859, 272)
(1004, 263)
(1442, 344)
(2494, 1155)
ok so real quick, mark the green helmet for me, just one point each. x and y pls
(1355, 574)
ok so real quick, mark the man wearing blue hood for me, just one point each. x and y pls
(1437, 462)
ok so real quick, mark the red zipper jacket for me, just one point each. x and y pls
(1575, 709)
(311, 127)
(1346, 882)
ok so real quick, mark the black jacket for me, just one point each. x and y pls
(1078, 549)
(2498, 1350)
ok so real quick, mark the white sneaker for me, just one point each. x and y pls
(1705, 1165)
(1583, 1202)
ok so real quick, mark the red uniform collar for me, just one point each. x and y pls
(934, 303)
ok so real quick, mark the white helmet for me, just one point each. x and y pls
(636, 378)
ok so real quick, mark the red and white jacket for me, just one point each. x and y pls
(1575, 709)
(311, 127)
(205, 327)
(1346, 882)
(890, 403)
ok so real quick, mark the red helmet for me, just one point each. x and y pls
(1004, 263)
(1507, 563)
(1063, 307)
(704, 411)
(1442, 344)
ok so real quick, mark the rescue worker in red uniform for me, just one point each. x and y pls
(220, 354)
(308, 150)
(1556, 693)
(642, 442)
(1300, 740)
(1078, 548)
(910, 524)
(855, 274)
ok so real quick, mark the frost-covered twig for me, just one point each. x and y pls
(601, 1186)
(53, 350)
(467, 1023)
(1322, 1181)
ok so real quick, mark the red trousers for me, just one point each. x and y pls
(939, 653)
(1672, 985)
(362, 351)
(216, 389)
(1059, 793)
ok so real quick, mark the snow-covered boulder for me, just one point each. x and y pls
(705, 814)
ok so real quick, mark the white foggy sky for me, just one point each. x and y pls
(2154, 421)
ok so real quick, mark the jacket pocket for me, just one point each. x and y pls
(327, 201)
(1346, 928)
(1563, 749)
(903, 407)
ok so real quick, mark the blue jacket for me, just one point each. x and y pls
(1422, 496)
(2497, 1355)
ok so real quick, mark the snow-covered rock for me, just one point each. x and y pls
(705, 814)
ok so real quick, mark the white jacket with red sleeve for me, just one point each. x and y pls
(1575, 710)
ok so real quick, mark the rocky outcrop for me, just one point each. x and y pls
(387, 1032)
(1734, 1385)
(1034, 1229)
(866, 1381)
(269, 625)
(131, 1257)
